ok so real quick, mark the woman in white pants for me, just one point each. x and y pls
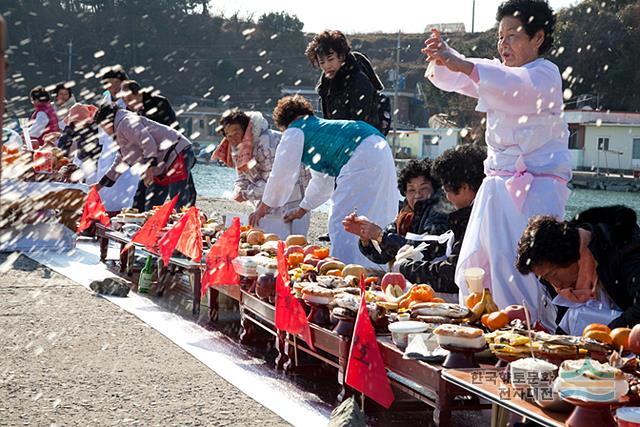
(350, 163)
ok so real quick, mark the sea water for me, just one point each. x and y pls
(217, 181)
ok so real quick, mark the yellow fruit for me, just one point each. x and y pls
(472, 299)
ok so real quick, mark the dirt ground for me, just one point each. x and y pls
(71, 358)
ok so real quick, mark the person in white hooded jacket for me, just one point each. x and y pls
(250, 146)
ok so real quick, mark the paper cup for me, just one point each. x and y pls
(474, 278)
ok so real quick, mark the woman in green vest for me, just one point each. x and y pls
(350, 163)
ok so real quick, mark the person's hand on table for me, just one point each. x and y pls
(362, 227)
(294, 214)
(256, 215)
(148, 176)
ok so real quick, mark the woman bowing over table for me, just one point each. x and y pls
(528, 164)
(350, 163)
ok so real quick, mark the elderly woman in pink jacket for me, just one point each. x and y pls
(528, 163)
(163, 156)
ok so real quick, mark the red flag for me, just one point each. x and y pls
(219, 269)
(93, 211)
(181, 237)
(365, 368)
(190, 243)
(290, 316)
(149, 233)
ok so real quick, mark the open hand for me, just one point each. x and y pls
(294, 214)
(256, 216)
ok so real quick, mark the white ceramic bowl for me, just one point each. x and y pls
(400, 331)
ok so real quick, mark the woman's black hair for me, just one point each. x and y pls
(115, 72)
(547, 240)
(62, 86)
(326, 42)
(234, 116)
(535, 15)
(459, 165)
(105, 114)
(39, 94)
(131, 86)
(414, 169)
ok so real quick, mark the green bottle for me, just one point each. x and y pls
(146, 276)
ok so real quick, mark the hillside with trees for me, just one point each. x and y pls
(179, 47)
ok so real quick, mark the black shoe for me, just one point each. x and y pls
(324, 238)
(113, 286)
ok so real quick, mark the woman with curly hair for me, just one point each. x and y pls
(249, 146)
(350, 163)
(348, 84)
(528, 163)
(460, 171)
(422, 212)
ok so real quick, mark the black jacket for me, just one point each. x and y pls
(352, 93)
(441, 273)
(615, 244)
(430, 216)
(158, 108)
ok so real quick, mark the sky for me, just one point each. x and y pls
(409, 16)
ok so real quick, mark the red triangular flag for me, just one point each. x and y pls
(190, 243)
(176, 238)
(149, 234)
(290, 316)
(219, 269)
(365, 368)
(93, 211)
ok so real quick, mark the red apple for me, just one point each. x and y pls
(293, 249)
(634, 340)
(310, 248)
(515, 312)
(393, 279)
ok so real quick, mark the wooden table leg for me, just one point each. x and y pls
(123, 258)
(162, 277)
(131, 259)
(282, 358)
(248, 334)
(442, 413)
(343, 359)
(104, 247)
(214, 308)
(195, 278)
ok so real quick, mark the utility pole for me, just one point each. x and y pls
(70, 54)
(396, 110)
(473, 16)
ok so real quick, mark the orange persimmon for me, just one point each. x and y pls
(495, 320)
(596, 327)
(597, 335)
(295, 259)
(321, 253)
(437, 299)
